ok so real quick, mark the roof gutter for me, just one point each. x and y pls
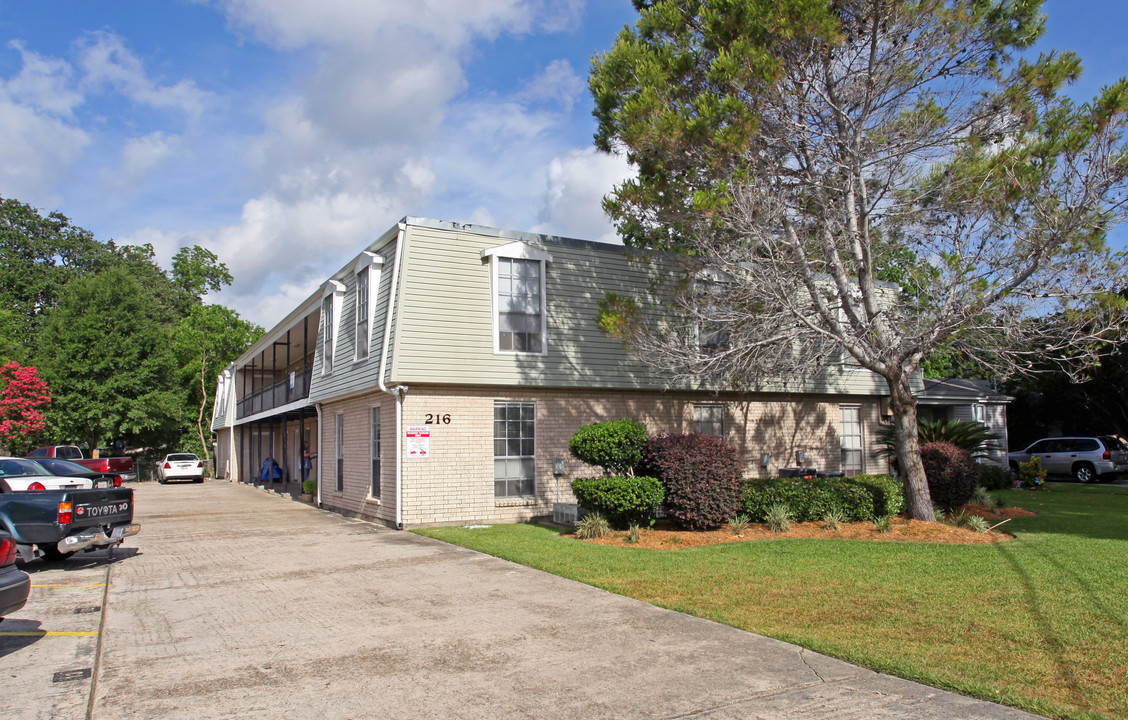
(396, 391)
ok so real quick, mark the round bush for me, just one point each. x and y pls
(614, 445)
(622, 500)
(702, 478)
(952, 474)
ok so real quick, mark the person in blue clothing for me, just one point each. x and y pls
(307, 462)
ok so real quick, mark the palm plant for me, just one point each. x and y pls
(966, 434)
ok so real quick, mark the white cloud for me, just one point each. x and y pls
(106, 62)
(36, 152)
(43, 84)
(577, 182)
(558, 82)
(446, 24)
(141, 155)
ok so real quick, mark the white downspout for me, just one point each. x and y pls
(397, 391)
(317, 406)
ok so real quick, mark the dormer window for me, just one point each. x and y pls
(367, 277)
(518, 273)
(332, 294)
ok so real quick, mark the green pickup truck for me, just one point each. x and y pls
(55, 524)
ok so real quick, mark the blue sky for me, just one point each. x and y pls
(285, 134)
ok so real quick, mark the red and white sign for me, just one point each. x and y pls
(418, 439)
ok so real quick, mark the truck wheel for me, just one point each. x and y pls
(50, 552)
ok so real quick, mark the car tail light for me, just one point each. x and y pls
(7, 551)
(117, 480)
(200, 464)
(168, 466)
(66, 513)
(1106, 456)
(37, 486)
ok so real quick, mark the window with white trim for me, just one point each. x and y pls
(363, 338)
(514, 449)
(710, 288)
(851, 436)
(339, 470)
(709, 419)
(374, 452)
(520, 322)
(979, 413)
(332, 295)
(327, 335)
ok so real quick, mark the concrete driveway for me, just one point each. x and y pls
(242, 604)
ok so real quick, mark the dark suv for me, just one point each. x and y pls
(1085, 458)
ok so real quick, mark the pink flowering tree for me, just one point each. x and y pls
(22, 401)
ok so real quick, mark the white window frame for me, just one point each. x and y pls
(710, 341)
(859, 448)
(979, 413)
(370, 265)
(332, 297)
(518, 251)
(521, 458)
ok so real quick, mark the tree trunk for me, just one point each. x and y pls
(203, 404)
(918, 501)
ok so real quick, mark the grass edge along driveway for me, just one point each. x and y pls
(1039, 623)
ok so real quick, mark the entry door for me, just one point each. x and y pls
(296, 453)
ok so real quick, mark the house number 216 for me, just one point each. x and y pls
(437, 419)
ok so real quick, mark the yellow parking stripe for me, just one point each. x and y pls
(41, 633)
(70, 585)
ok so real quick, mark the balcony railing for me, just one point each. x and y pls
(276, 395)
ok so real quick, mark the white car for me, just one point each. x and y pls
(180, 466)
(19, 475)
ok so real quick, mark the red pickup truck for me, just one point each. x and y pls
(120, 465)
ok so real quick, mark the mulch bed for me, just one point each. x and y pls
(664, 537)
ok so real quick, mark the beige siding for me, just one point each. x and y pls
(349, 374)
(445, 326)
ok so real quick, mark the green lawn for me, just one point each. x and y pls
(1040, 622)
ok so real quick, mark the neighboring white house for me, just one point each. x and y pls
(958, 399)
(439, 374)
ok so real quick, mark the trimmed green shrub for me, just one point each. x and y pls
(849, 499)
(622, 500)
(888, 492)
(614, 445)
(994, 477)
(701, 474)
(952, 474)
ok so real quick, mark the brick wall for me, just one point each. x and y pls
(454, 484)
(355, 497)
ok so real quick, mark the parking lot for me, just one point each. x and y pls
(49, 650)
(235, 603)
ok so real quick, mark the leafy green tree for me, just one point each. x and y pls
(789, 153)
(198, 271)
(107, 353)
(39, 255)
(207, 339)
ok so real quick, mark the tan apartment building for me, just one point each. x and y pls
(440, 373)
